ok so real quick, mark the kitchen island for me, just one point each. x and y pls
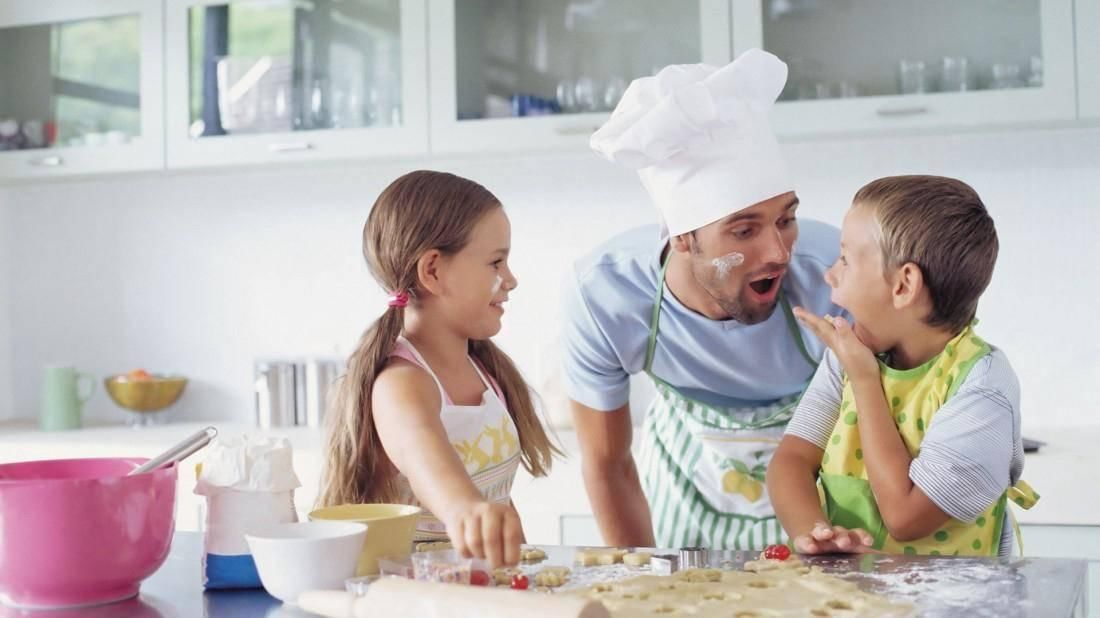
(937, 586)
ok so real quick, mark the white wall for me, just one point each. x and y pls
(202, 273)
(6, 303)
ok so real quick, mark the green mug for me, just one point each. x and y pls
(62, 399)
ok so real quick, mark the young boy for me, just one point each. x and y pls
(912, 422)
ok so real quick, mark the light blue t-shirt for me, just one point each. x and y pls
(609, 302)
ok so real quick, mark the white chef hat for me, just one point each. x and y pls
(700, 138)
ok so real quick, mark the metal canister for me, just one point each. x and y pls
(318, 375)
(275, 390)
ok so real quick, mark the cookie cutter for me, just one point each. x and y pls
(694, 558)
(664, 564)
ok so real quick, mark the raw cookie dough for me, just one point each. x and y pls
(531, 555)
(552, 577)
(601, 556)
(770, 588)
(503, 576)
(637, 558)
(433, 546)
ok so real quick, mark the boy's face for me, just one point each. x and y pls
(740, 261)
(859, 283)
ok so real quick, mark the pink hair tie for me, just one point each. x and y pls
(398, 299)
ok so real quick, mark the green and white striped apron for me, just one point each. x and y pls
(703, 467)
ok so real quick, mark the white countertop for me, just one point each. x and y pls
(1061, 472)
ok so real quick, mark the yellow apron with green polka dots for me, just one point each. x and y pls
(914, 396)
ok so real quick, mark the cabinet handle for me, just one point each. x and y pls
(575, 130)
(913, 110)
(50, 161)
(290, 147)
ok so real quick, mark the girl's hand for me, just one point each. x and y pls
(856, 358)
(488, 531)
(826, 539)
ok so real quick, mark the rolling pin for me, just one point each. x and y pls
(402, 598)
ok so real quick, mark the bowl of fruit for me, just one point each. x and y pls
(144, 393)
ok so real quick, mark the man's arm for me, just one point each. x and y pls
(610, 476)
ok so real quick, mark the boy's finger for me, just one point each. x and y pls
(865, 537)
(804, 544)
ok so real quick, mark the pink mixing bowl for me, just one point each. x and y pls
(80, 532)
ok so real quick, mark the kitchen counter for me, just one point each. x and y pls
(1059, 471)
(937, 586)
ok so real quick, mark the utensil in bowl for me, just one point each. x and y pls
(179, 452)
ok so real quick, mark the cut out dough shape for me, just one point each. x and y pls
(637, 559)
(593, 557)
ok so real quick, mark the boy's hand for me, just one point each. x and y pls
(486, 530)
(826, 539)
(835, 332)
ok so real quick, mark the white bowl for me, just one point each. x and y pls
(309, 555)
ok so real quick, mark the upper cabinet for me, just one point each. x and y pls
(873, 65)
(1088, 57)
(81, 87)
(522, 75)
(90, 86)
(260, 81)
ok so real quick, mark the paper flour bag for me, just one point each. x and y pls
(248, 482)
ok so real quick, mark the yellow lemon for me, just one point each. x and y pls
(734, 482)
(752, 489)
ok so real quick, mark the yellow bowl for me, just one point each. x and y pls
(390, 530)
(147, 395)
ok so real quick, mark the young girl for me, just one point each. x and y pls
(430, 412)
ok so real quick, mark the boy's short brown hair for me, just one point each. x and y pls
(941, 225)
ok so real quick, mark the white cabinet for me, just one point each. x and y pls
(526, 75)
(93, 86)
(886, 65)
(80, 87)
(1087, 18)
(264, 81)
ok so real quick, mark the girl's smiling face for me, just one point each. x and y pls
(476, 280)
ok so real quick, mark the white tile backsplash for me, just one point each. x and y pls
(202, 273)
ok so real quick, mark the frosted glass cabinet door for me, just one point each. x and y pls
(1088, 58)
(80, 87)
(520, 75)
(260, 81)
(872, 65)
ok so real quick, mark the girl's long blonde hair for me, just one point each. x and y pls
(418, 212)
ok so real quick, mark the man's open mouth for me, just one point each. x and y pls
(763, 286)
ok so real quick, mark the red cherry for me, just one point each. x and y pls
(479, 578)
(777, 552)
(519, 582)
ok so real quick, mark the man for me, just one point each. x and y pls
(703, 308)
